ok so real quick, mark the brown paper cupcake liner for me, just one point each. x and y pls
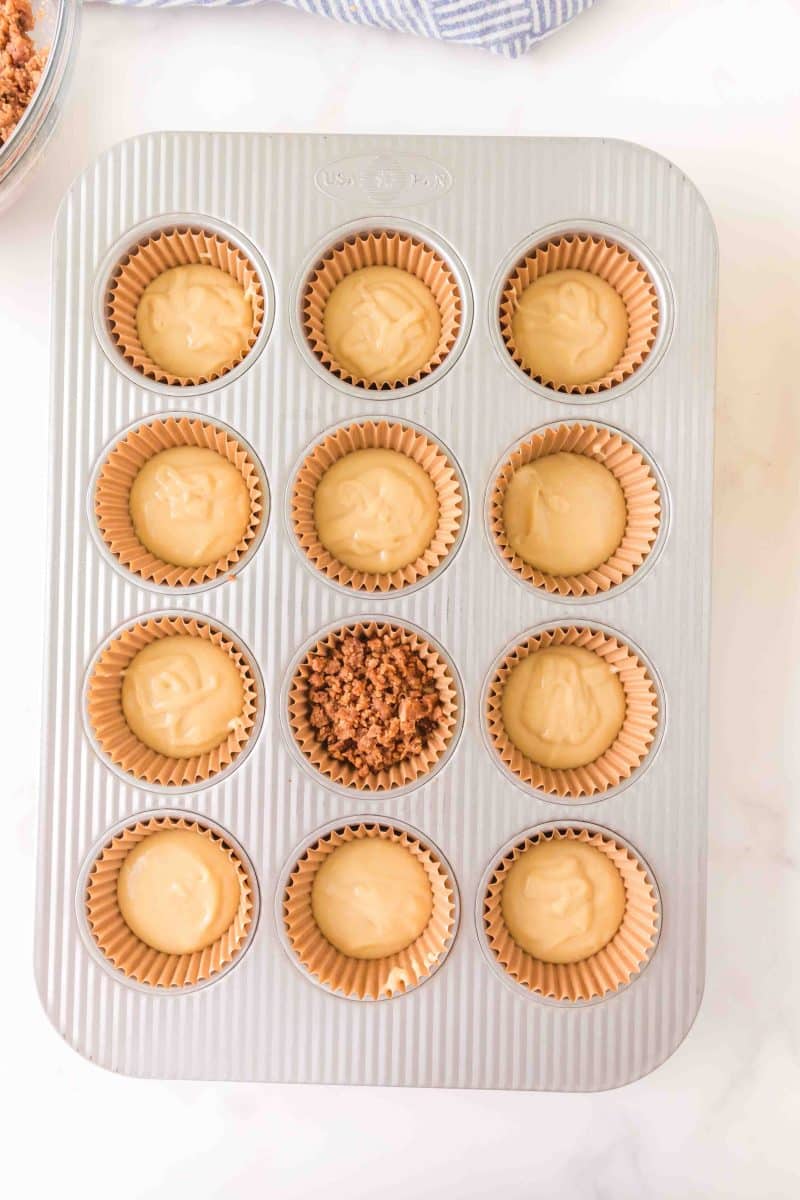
(114, 736)
(627, 751)
(113, 490)
(611, 262)
(381, 248)
(152, 256)
(607, 970)
(387, 435)
(408, 769)
(642, 502)
(133, 957)
(367, 979)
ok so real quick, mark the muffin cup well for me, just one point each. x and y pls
(156, 253)
(109, 728)
(610, 968)
(367, 979)
(643, 502)
(121, 947)
(629, 749)
(408, 771)
(112, 489)
(611, 262)
(384, 248)
(387, 435)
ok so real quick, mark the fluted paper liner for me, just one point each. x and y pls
(639, 487)
(152, 256)
(631, 744)
(120, 744)
(386, 435)
(133, 957)
(611, 262)
(381, 248)
(607, 970)
(113, 492)
(367, 979)
(408, 769)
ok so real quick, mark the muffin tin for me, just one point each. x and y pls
(481, 205)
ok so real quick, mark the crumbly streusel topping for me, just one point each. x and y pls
(21, 64)
(374, 700)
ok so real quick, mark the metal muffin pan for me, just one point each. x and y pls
(480, 202)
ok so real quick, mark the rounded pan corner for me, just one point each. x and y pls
(648, 152)
(650, 1068)
(84, 174)
(73, 1044)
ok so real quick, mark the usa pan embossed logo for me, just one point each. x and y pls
(385, 178)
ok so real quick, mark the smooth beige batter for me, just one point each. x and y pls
(178, 891)
(371, 898)
(382, 324)
(194, 320)
(189, 506)
(564, 513)
(570, 327)
(182, 696)
(563, 706)
(376, 510)
(563, 901)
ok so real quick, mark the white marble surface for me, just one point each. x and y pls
(720, 1119)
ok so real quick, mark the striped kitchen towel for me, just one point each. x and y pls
(509, 27)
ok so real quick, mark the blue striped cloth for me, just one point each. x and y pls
(508, 27)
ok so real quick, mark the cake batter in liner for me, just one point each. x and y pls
(408, 769)
(642, 502)
(381, 248)
(387, 435)
(610, 262)
(133, 957)
(631, 745)
(107, 720)
(368, 979)
(113, 490)
(610, 968)
(152, 256)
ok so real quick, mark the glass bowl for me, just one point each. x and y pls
(56, 26)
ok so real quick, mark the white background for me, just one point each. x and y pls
(714, 86)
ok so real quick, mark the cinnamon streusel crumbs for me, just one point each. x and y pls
(374, 700)
(21, 64)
